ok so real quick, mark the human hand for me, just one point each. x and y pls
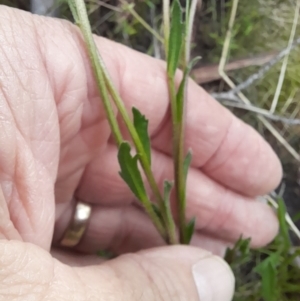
(56, 143)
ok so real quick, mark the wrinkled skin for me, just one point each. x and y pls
(55, 143)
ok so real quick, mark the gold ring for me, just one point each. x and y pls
(77, 226)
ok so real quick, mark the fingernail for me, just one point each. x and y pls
(214, 279)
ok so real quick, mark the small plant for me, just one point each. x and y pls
(266, 274)
(177, 24)
(270, 273)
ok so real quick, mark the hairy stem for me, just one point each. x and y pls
(105, 87)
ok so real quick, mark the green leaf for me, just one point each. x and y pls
(167, 191)
(186, 164)
(284, 228)
(267, 269)
(268, 283)
(168, 217)
(175, 38)
(73, 11)
(157, 211)
(141, 126)
(189, 230)
(181, 94)
(130, 172)
(239, 254)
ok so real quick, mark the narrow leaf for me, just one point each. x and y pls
(169, 221)
(175, 38)
(239, 254)
(167, 191)
(181, 94)
(74, 11)
(269, 283)
(130, 172)
(284, 229)
(141, 126)
(186, 164)
(157, 211)
(267, 270)
(189, 230)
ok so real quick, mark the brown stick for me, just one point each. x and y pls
(209, 73)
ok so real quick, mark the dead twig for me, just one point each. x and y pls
(209, 73)
(243, 98)
(262, 71)
(285, 60)
(234, 102)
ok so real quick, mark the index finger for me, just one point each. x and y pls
(224, 147)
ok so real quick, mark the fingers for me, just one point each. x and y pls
(122, 230)
(117, 229)
(170, 273)
(216, 137)
(29, 130)
(227, 149)
(75, 259)
(218, 210)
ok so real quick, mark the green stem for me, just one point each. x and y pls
(102, 80)
(178, 158)
(130, 9)
(166, 22)
(169, 223)
(80, 15)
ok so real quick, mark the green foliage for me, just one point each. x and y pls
(270, 273)
(176, 38)
(181, 93)
(267, 270)
(167, 192)
(190, 229)
(186, 164)
(284, 228)
(130, 172)
(141, 127)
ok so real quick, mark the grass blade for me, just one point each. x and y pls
(267, 269)
(284, 229)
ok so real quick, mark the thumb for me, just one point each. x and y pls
(165, 274)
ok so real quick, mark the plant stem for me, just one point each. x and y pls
(169, 223)
(82, 18)
(105, 85)
(178, 157)
(177, 100)
(129, 7)
(189, 28)
(166, 22)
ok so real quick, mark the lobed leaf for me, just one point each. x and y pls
(130, 172)
(141, 127)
